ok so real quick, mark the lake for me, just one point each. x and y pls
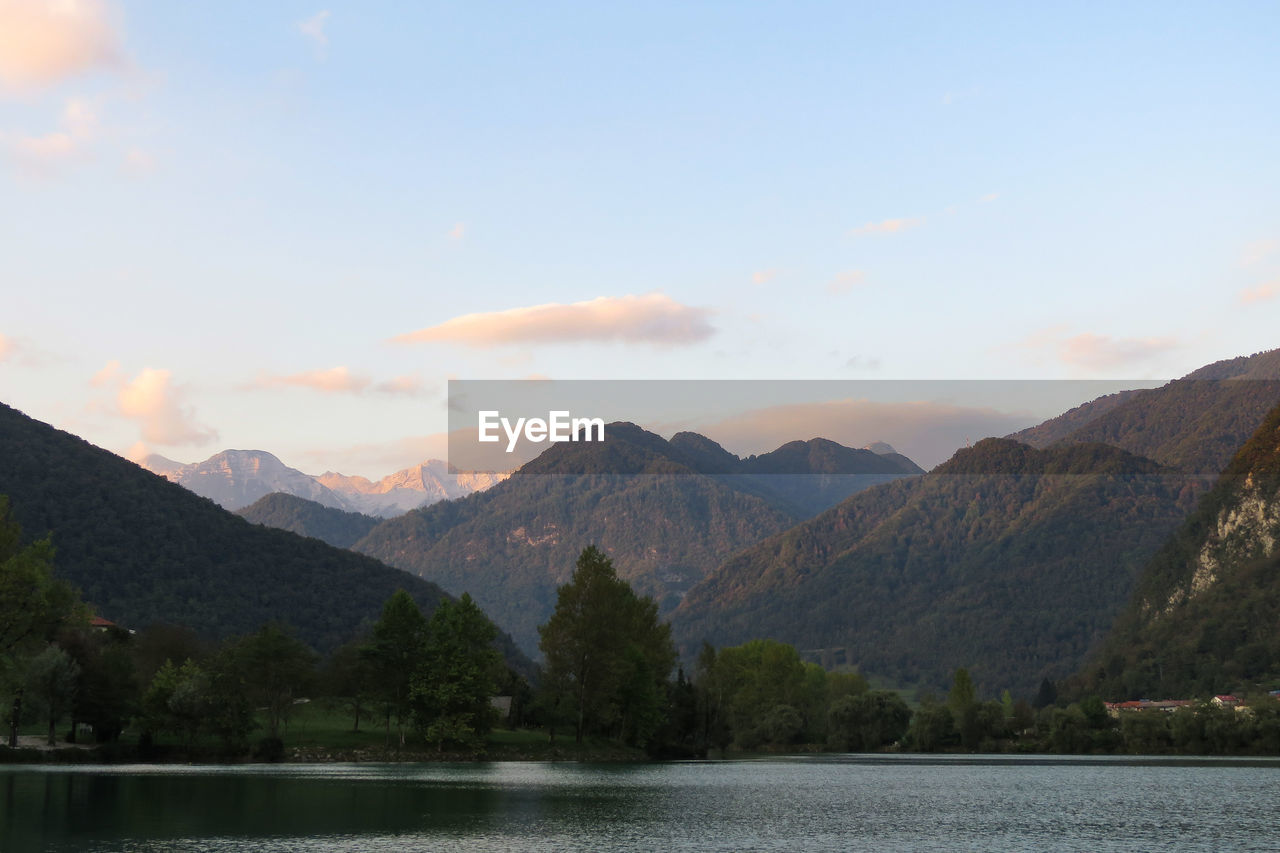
(897, 803)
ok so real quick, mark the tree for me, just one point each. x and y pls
(33, 605)
(395, 651)
(868, 721)
(348, 676)
(608, 657)
(452, 689)
(51, 681)
(276, 669)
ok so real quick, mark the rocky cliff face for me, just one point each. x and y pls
(1205, 617)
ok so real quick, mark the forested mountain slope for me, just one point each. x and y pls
(144, 550)
(1205, 615)
(1007, 559)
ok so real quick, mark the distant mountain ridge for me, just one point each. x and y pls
(1006, 559)
(234, 479)
(666, 512)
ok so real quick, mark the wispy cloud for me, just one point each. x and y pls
(7, 348)
(764, 276)
(988, 198)
(846, 281)
(887, 226)
(1258, 251)
(158, 407)
(313, 28)
(1102, 352)
(108, 375)
(652, 318)
(1261, 293)
(1095, 352)
(339, 380)
(43, 42)
(457, 232)
(40, 156)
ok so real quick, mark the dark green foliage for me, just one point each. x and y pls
(275, 669)
(932, 728)
(394, 653)
(450, 691)
(307, 518)
(1008, 559)
(867, 721)
(608, 657)
(144, 550)
(666, 512)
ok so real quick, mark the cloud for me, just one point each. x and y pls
(335, 380)
(457, 232)
(888, 226)
(339, 380)
(764, 276)
(158, 408)
(1258, 251)
(139, 162)
(43, 42)
(652, 318)
(39, 156)
(988, 198)
(408, 385)
(1094, 352)
(1102, 352)
(846, 281)
(7, 347)
(108, 375)
(313, 28)
(1261, 293)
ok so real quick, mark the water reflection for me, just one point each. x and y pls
(863, 803)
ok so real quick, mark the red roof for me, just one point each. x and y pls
(99, 622)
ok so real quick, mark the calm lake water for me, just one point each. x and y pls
(821, 803)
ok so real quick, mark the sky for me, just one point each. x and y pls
(287, 225)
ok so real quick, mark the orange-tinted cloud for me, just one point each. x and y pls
(1258, 251)
(41, 155)
(1261, 293)
(652, 318)
(339, 380)
(43, 42)
(764, 276)
(888, 226)
(1102, 352)
(7, 347)
(846, 281)
(157, 406)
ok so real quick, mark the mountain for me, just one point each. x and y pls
(144, 550)
(1194, 424)
(411, 488)
(1205, 615)
(307, 518)
(234, 479)
(1009, 560)
(666, 512)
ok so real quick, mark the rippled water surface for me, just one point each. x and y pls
(841, 802)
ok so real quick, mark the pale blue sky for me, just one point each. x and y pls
(254, 193)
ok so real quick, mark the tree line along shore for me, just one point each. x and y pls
(434, 687)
